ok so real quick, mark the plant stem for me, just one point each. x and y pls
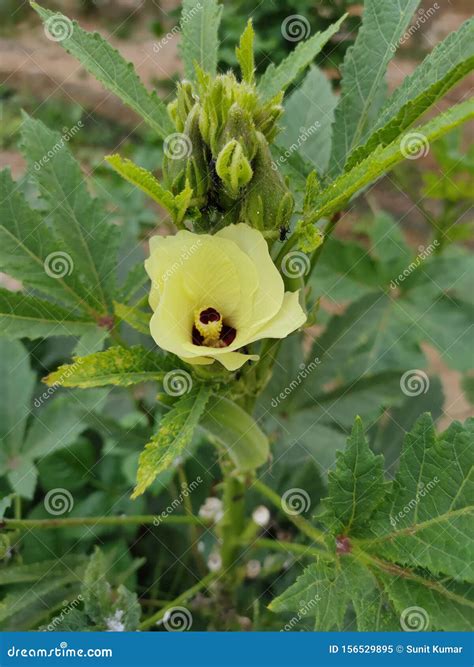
(327, 233)
(289, 547)
(143, 519)
(233, 521)
(193, 530)
(159, 615)
(300, 522)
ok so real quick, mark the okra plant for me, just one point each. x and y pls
(222, 321)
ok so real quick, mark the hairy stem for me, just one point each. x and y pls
(299, 521)
(181, 599)
(143, 519)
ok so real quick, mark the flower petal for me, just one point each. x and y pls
(269, 296)
(288, 319)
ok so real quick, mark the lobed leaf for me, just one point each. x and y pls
(245, 54)
(24, 316)
(143, 179)
(200, 20)
(175, 433)
(278, 78)
(79, 222)
(448, 63)
(107, 65)
(363, 74)
(116, 366)
(334, 197)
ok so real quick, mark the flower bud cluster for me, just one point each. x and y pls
(229, 165)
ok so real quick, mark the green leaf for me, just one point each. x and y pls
(27, 247)
(107, 65)
(31, 572)
(96, 588)
(143, 179)
(278, 78)
(324, 591)
(238, 432)
(309, 114)
(447, 64)
(345, 272)
(335, 196)
(445, 606)
(18, 381)
(200, 21)
(407, 555)
(117, 365)
(57, 426)
(356, 486)
(78, 221)
(245, 55)
(136, 318)
(363, 74)
(175, 433)
(29, 317)
(427, 519)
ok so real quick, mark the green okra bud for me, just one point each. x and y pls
(233, 168)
